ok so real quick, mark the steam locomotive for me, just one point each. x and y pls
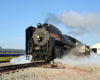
(46, 42)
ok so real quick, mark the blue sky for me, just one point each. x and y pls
(17, 15)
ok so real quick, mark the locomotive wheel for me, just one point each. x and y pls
(46, 58)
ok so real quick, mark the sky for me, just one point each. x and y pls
(77, 18)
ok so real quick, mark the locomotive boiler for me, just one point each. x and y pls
(46, 42)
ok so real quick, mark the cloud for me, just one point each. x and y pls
(79, 24)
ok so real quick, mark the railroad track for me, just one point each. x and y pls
(4, 61)
(5, 69)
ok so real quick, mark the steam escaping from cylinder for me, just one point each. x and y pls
(78, 24)
(70, 59)
(20, 60)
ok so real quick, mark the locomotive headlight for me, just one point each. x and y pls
(37, 36)
(39, 25)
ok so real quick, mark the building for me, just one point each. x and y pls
(11, 52)
(96, 48)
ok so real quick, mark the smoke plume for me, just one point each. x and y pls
(77, 23)
(70, 59)
(20, 60)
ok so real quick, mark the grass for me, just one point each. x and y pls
(7, 58)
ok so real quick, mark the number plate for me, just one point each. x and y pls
(37, 48)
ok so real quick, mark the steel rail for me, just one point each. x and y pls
(4, 61)
(4, 69)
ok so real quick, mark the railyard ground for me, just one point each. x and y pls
(62, 72)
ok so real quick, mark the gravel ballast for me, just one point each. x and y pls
(40, 73)
(6, 64)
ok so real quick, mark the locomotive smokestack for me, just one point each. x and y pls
(45, 24)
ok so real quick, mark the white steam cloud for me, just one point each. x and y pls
(93, 59)
(80, 23)
(20, 60)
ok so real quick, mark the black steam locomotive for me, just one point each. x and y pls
(47, 42)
